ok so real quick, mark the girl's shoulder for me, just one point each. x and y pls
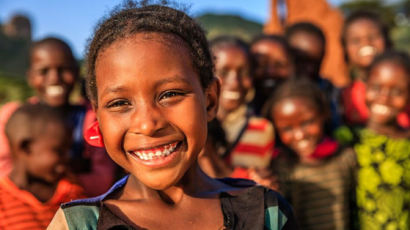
(84, 213)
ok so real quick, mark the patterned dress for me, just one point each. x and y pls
(383, 191)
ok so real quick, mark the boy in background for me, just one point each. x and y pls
(39, 142)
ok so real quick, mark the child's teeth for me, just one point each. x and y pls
(54, 90)
(367, 50)
(233, 95)
(168, 149)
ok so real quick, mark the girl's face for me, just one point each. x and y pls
(152, 110)
(232, 67)
(299, 125)
(387, 92)
(272, 60)
(52, 74)
(364, 41)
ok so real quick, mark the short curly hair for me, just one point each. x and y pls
(132, 18)
(366, 15)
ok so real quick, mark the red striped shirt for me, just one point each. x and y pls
(19, 209)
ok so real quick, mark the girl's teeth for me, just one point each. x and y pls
(54, 90)
(367, 50)
(158, 153)
(232, 95)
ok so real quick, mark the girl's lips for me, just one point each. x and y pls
(367, 51)
(231, 95)
(55, 90)
(157, 156)
(380, 109)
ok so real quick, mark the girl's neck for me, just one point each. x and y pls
(359, 73)
(195, 183)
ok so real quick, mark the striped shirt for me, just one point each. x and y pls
(321, 194)
(19, 209)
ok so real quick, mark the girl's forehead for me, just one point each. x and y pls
(293, 104)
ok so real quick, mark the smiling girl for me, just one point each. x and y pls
(313, 171)
(151, 84)
(384, 150)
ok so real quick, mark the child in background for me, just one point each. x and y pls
(151, 84)
(250, 138)
(364, 35)
(273, 65)
(313, 171)
(383, 152)
(52, 74)
(39, 141)
(308, 43)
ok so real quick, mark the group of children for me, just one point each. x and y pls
(183, 120)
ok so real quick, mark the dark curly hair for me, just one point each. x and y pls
(371, 16)
(297, 88)
(225, 41)
(397, 57)
(132, 18)
(308, 28)
(53, 41)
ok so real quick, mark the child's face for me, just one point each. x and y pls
(272, 60)
(52, 74)
(309, 52)
(152, 110)
(298, 124)
(364, 41)
(387, 92)
(232, 67)
(47, 155)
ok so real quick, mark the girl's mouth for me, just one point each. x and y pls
(380, 109)
(156, 156)
(231, 95)
(367, 51)
(54, 90)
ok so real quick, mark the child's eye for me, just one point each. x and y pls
(169, 97)
(43, 71)
(396, 92)
(118, 103)
(169, 94)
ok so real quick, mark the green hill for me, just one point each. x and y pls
(223, 24)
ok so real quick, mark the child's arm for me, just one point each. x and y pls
(59, 222)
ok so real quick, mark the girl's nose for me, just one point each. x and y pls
(53, 76)
(298, 134)
(147, 120)
(233, 79)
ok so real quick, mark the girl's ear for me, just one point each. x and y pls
(212, 98)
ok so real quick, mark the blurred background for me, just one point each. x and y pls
(22, 21)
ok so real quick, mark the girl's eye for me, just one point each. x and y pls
(170, 97)
(170, 94)
(396, 92)
(118, 103)
(43, 71)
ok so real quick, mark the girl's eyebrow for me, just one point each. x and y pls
(173, 79)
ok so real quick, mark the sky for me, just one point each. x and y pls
(74, 20)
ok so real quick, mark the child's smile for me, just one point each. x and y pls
(152, 109)
(299, 125)
(387, 92)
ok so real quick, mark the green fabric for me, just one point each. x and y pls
(82, 217)
(274, 218)
(383, 191)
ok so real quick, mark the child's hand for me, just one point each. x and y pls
(264, 177)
